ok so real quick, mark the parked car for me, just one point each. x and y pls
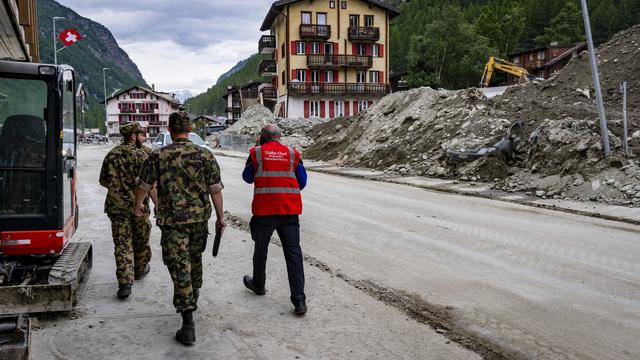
(164, 139)
(212, 129)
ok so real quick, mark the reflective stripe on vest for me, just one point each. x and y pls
(277, 191)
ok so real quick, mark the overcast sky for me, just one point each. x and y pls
(185, 44)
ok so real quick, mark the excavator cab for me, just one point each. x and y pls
(41, 269)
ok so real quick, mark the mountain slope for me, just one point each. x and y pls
(88, 57)
(211, 101)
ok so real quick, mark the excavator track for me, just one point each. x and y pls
(67, 277)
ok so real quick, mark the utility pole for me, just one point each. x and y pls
(104, 82)
(55, 37)
(596, 79)
(623, 89)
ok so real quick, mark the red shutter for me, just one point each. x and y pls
(367, 50)
(346, 108)
(370, 103)
(336, 74)
(321, 48)
(308, 75)
(306, 109)
(323, 110)
(354, 49)
(355, 107)
(294, 48)
(382, 77)
(335, 48)
(381, 50)
(331, 109)
(274, 81)
(293, 75)
(322, 77)
(308, 47)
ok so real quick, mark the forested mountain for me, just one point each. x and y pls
(445, 43)
(98, 50)
(211, 101)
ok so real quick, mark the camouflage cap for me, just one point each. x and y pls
(131, 128)
(179, 120)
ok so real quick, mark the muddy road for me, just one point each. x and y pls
(532, 283)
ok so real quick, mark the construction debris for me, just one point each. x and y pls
(554, 152)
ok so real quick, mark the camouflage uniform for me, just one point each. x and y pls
(130, 233)
(185, 174)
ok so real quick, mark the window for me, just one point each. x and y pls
(360, 77)
(354, 20)
(343, 5)
(284, 53)
(368, 20)
(315, 76)
(332, 4)
(301, 75)
(363, 106)
(23, 140)
(338, 109)
(300, 48)
(314, 108)
(315, 48)
(361, 49)
(374, 76)
(283, 79)
(541, 55)
(328, 48)
(516, 60)
(306, 18)
(375, 50)
(321, 18)
(328, 76)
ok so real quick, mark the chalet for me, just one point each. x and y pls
(544, 62)
(239, 98)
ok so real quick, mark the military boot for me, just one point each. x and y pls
(124, 291)
(143, 273)
(186, 335)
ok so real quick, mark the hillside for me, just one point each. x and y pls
(98, 50)
(211, 100)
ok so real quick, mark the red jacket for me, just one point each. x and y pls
(276, 188)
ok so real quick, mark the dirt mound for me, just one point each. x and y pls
(252, 120)
(440, 133)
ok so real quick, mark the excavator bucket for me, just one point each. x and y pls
(66, 278)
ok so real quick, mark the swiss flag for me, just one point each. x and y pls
(70, 37)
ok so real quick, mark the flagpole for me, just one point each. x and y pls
(55, 43)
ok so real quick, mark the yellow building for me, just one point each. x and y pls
(330, 57)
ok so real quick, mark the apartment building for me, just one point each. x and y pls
(330, 58)
(149, 108)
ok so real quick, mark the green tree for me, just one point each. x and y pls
(566, 28)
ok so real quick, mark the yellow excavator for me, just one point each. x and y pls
(495, 64)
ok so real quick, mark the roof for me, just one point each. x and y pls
(566, 54)
(538, 49)
(165, 96)
(278, 6)
(238, 88)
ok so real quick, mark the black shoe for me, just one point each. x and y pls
(124, 291)
(300, 307)
(248, 282)
(143, 273)
(186, 335)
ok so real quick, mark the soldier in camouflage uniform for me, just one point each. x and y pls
(185, 175)
(130, 233)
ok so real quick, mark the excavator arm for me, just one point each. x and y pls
(502, 65)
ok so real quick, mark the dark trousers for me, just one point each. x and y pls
(288, 229)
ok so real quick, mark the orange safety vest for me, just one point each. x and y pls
(276, 188)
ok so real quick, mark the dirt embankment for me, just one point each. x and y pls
(556, 152)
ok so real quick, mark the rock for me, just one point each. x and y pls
(553, 193)
(579, 180)
(540, 193)
(339, 127)
(636, 135)
(611, 182)
(595, 185)
(626, 188)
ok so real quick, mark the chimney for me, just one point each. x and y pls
(153, 87)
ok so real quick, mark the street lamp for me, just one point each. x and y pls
(55, 37)
(104, 82)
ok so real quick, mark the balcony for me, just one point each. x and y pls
(249, 94)
(364, 34)
(233, 109)
(147, 111)
(158, 123)
(331, 61)
(315, 32)
(268, 68)
(128, 111)
(267, 44)
(269, 92)
(339, 89)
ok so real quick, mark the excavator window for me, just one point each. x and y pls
(23, 130)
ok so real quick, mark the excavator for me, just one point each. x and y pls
(495, 64)
(41, 269)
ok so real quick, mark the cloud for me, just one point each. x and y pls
(180, 44)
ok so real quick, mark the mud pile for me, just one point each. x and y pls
(252, 120)
(555, 151)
